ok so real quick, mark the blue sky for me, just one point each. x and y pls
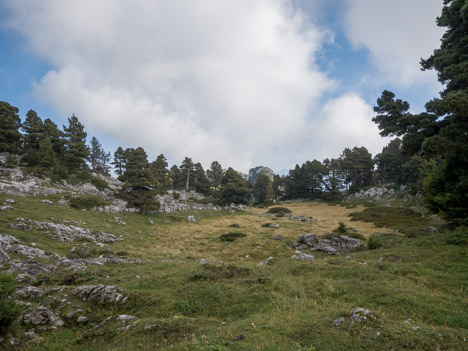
(247, 83)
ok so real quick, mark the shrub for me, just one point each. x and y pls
(342, 229)
(375, 242)
(99, 183)
(231, 236)
(86, 202)
(176, 196)
(275, 210)
(234, 225)
(8, 308)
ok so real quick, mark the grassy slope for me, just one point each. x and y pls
(287, 305)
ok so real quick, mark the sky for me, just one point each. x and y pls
(243, 82)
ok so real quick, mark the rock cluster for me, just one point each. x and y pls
(10, 243)
(40, 315)
(331, 246)
(100, 294)
(64, 232)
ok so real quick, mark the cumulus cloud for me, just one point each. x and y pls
(398, 34)
(233, 81)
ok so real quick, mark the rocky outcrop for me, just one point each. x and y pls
(28, 270)
(331, 246)
(39, 316)
(100, 294)
(64, 232)
(10, 243)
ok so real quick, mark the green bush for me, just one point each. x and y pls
(342, 229)
(176, 196)
(8, 308)
(375, 242)
(86, 202)
(234, 225)
(99, 183)
(275, 210)
(231, 236)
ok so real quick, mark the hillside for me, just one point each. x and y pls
(228, 279)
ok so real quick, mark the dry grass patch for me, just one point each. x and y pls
(328, 217)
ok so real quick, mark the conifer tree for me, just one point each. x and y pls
(98, 157)
(138, 187)
(263, 190)
(234, 189)
(76, 150)
(186, 169)
(161, 177)
(120, 161)
(215, 174)
(178, 179)
(199, 180)
(10, 122)
(34, 130)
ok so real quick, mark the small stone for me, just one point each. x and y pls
(191, 219)
(239, 337)
(416, 328)
(277, 237)
(82, 319)
(125, 317)
(360, 314)
(432, 230)
(204, 261)
(266, 262)
(150, 221)
(8, 201)
(298, 255)
(45, 201)
(6, 208)
(381, 258)
(337, 322)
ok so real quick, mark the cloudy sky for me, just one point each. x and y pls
(243, 82)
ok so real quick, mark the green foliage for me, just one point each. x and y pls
(120, 161)
(176, 195)
(357, 164)
(11, 161)
(405, 220)
(375, 242)
(98, 158)
(274, 210)
(138, 189)
(459, 236)
(342, 229)
(215, 174)
(8, 308)
(10, 122)
(76, 150)
(99, 183)
(263, 190)
(34, 130)
(234, 225)
(160, 173)
(231, 236)
(234, 189)
(86, 202)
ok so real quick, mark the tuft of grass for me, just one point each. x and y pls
(234, 225)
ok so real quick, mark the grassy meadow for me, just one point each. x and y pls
(415, 283)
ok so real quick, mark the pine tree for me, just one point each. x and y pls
(120, 161)
(161, 176)
(178, 179)
(215, 174)
(98, 157)
(263, 190)
(187, 168)
(199, 180)
(34, 130)
(10, 122)
(234, 189)
(138, 187)
(76, 150)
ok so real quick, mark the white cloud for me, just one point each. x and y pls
(398, 34)
(233, 81)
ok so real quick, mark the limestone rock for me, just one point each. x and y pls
(6, 208)
(45, 201)
(325, 248)
(360, 314)
(30, 292)
(82, 319)
(298, 255)
(191, 219)
(266, 262)
(100, 294)
(40, 315)
(125, 317)
(309, 239)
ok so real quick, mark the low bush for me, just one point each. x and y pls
(99, 183)
(274, 210)
(86, 202)
(375, 242)
(231, 236)
(8, 308)
(234, 225)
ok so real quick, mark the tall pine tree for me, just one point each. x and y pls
(76, 151)
(10, 122)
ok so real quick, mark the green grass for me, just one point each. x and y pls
(286, 305)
